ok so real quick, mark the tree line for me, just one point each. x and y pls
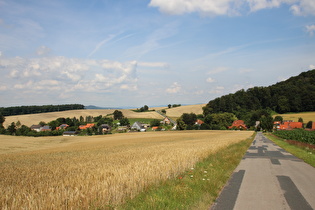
(296, 94)
(20, 110)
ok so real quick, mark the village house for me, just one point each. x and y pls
(313, 126)
(89, 125)
(166, 120)
(39, 128)
(70, 133)
(105, 128)
(62, 127)
(199, 122)
(289, 125)
(137, 126)
(238, 124)
(36, 128)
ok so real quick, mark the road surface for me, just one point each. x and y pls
(268, 177)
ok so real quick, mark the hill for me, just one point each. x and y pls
(31, 119)
(297, 94)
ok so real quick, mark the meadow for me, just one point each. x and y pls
(98, 171)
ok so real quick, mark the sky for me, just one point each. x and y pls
(119, 53)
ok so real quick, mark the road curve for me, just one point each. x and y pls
(268, 177)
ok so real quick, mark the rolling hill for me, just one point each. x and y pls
(31, 119)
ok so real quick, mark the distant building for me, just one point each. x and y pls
(36, 128)
(313, 126)
(105, 128)
(70, 133)
(89, 125)
(199, 122)
(289, 125)
(62, 127)
(238, 124)
(137, 126)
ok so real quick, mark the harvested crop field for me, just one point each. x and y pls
(32, 119)
(98, 171)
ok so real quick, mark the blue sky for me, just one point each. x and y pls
(131, 53)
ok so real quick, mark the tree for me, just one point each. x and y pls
(169, 106)
(118, 115)
(11, 128)
(278, 118)
(309, 124)
(145, 108)
(2, 119)
(124, 121)
(155, 122)
(189, 119)
(181, 124)
(266, 122)
(163, 111)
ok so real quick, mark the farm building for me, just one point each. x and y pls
(238, 124)
(291, 125)
(89, 125)
(105, 128)
(199, 122)
(62, 126)
(137, 126)
(36, 128)
(39, 128)
(70, 133)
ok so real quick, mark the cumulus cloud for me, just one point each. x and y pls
(61, 76)
(312, 66)
(230, 7)
(210, 80)
(218, 70)
(310, 29)
(43, 51)
(174, 88)
(153, 64)
(217, 90)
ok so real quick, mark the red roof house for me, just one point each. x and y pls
(238, 124)
(291, 125)
(89, 125)
(199, 122)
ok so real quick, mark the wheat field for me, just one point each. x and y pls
(33, 119)
(306, 116)
(98, 171)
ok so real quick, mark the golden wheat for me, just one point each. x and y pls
(97, 171)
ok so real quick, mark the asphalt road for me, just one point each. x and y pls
(268, 177)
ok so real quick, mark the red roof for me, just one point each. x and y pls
(238, 124)
(291, 125)
(199, 122)
(89, 125)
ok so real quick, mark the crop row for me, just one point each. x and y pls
(298, 135)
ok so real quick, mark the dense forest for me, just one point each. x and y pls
(19, 110)
(297, 94)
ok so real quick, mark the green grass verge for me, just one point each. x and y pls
(196, 188)
(305, 154)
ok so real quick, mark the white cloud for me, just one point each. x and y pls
(76, 76)
(217, 90)
(3, 87)
(153, 64)
(303, 7)
(174, 88)
(310, 29)
(210, 80)
(43, 51)
(218, 70)
(230, 7)
(312, 66)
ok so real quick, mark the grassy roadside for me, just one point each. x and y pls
(305, 154)
(198, 187)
